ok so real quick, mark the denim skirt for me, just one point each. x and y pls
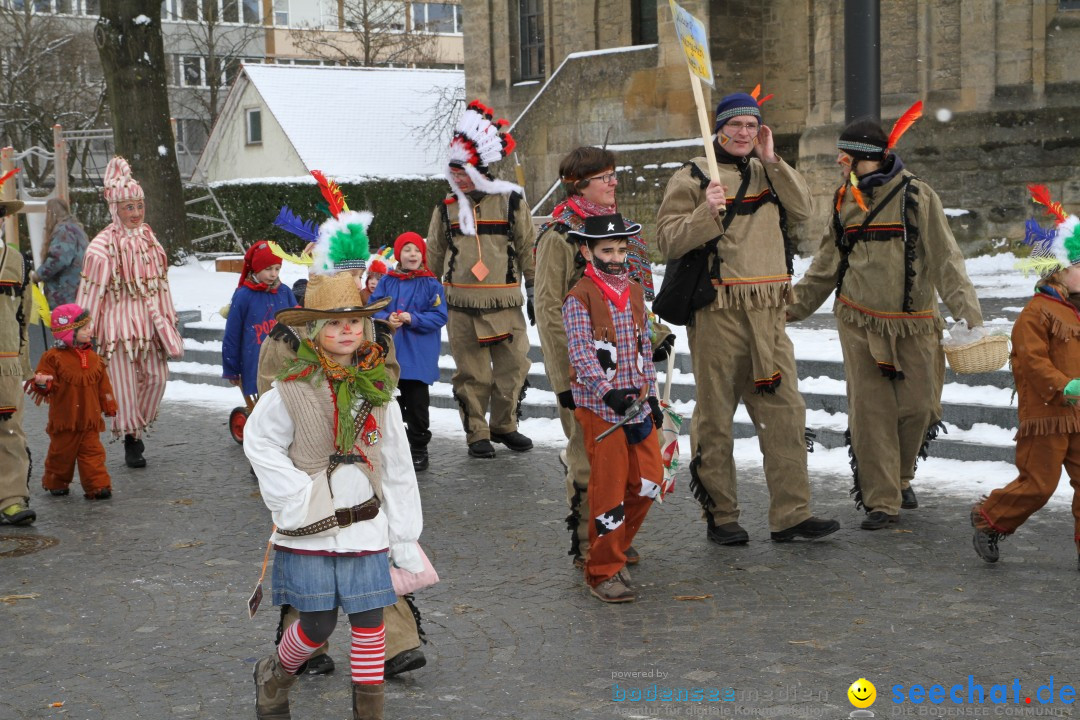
(325, 582)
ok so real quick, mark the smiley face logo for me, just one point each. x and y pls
(862, 693)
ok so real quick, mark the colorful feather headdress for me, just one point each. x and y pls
(1054, 249)
(478, 142)
(341, 243)
(8, 207)
(865, 140)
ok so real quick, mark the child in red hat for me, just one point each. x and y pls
(256, 300)
(375, 271)
(71, 377)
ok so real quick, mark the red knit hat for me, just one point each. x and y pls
(410, 237)
(377, 267)
(257, 258)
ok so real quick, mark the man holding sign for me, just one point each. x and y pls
(738, 345)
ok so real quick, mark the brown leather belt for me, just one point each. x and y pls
(342, 517)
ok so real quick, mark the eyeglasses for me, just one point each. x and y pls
(750, 128)
(605, 178)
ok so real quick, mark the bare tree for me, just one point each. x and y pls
(447, 104)
(222, 42)
(49, 73)
(128, 36)
(370, 32)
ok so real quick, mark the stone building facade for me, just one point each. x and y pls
(1000, 80)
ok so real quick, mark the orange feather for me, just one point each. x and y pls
(906, 121)
(1041, 195)
(756, 91)
(330, 190)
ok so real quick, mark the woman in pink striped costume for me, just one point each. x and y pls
(125, 288)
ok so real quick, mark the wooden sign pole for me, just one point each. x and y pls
(706, 125)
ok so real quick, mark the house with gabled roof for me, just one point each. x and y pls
(283, 121)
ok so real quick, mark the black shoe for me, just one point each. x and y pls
(102, 494)
(908, 501)
(513, 440)
(133, 450)
(878, 519)
(727, 534)
(404, 662)
(632, 556)
(320, 665)
(419, 460)
(481, 449)
(60, 493)
(811, 528)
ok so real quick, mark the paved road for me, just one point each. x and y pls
(137, 610)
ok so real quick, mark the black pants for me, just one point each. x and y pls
(414, 410)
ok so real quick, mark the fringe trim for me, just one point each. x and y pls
(809, 436)
(521, 399)
(484, 299)
(855, 491)
(697, 489)
(768, 384)
(1058, 329)
(1054, 425)
(464, 412)
(899, 327)
(573, 520)
(889, 370)
(410, 600)
(931, 436)
(7, 412)
(759, 296)
(73, 424)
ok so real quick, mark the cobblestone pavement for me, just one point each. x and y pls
(138, 610)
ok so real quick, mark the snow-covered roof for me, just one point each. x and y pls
(357, 121)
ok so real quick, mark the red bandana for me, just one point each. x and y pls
(616, 288)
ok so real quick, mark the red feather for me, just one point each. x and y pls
(4, 178)
(906, 120)
(330, 190)
(765, 99)
(1041, 195)
(508, 144)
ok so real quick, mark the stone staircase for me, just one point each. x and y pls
(826, 409)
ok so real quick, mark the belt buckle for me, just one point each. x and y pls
(344, 517)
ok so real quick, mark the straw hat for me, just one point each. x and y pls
(10, 207)
(327, 297)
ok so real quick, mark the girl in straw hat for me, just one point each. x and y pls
(334, 468)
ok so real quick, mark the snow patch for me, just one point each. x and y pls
(141, 20)
(956, 212)
(162, 150)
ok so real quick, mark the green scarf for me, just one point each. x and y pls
(366, 380)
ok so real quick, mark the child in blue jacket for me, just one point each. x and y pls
(256, 300)
(417, 310)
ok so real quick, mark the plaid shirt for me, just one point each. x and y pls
(592, 383)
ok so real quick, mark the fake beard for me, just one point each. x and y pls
(609, 268)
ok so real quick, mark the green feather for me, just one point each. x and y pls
(1072, 245)
(349, 243)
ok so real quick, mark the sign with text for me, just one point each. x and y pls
(695, 42)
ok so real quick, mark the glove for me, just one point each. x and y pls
(657, 413)
(620, 400)
(530, 310)
(566, 399)
(1073, 388)
(660, 354)
(407, 557)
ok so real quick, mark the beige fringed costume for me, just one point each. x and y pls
(15, 308)
(485, 325)
(738, 345)
(888, 279)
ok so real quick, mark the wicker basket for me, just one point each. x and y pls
(985, 355)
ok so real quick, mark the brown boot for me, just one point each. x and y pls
(272, 685)
(367, 702)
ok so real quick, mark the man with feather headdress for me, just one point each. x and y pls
(888, 254)
(479, 243)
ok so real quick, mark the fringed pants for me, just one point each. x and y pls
(577, 483)
(615, 493)
(71, 446)
(488, 375)
(889, 418)
(1039, 459)
(14, 460)
(720, 342)
(138, 385)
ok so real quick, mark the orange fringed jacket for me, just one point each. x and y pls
(78, 394)
(1045, 357)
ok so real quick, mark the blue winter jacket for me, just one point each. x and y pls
(417, 343)
(61, 269)
(250, 320)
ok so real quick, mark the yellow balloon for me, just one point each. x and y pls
(862, 693)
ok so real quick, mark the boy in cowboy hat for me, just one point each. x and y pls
(328, 421)
(611, 372)
(71, 377)
(15, 308)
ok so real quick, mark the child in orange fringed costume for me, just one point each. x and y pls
(71, 377)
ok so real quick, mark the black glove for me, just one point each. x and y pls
(620, 400)
(530, 309)
(660, 354)
(657, 413)
(566, 399)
